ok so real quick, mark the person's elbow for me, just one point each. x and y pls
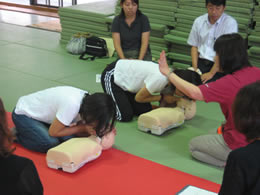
(195, 94)
(139, 99)
(52, 134)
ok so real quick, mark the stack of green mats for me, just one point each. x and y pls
(254, 40)
(160, 12)
(118, 8)
(110, 19)
(242, 11)
(254, 55)
(88, 17)
(179, 51)
(161, 15)
(157, 42)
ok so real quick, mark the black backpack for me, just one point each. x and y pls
(95, 47)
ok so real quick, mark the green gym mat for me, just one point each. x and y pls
(180, 57)
(174, 39)
(97, 9)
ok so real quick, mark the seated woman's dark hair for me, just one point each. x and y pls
(6, 138)
(232, 52)
(246, 111)
(99, 108)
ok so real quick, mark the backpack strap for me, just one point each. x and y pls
(90, 57)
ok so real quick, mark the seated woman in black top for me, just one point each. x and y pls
(18, 175)
(131, 32)
(242, 171)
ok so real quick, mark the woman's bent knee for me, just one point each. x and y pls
(42, 145)
(193, 145)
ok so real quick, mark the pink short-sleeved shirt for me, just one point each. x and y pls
(224, 92)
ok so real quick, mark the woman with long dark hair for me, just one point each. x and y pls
(233, 61)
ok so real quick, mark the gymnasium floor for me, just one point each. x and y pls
(33, 59)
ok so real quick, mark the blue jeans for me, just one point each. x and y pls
(34, 135)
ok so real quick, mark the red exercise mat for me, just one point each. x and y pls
(114, 173)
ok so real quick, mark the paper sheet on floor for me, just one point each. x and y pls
(193, 190)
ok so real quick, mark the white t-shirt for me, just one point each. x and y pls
(132, 75)
(61, 102)
(204, 34)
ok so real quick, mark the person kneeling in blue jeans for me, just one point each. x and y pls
(46, 118)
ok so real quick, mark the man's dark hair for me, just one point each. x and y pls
(134, 1)
(232, 52)
(99, 108)
(246, 111)
(216, 2)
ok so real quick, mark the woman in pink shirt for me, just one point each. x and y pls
(232, 59)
